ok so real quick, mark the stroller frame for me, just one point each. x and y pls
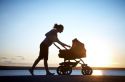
(65, 67)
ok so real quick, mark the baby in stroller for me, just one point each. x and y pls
(77, 51)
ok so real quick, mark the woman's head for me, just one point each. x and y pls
(59, 27)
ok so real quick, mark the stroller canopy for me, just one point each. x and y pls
(78, 48)
(76, 51)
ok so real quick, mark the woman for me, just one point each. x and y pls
(51, 37)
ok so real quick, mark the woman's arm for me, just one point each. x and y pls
(61, 43)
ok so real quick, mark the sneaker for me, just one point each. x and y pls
(31, 71)
(50, 73)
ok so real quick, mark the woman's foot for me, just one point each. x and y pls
(31, 71)
(50, 73)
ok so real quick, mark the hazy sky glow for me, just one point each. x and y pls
(100, 24)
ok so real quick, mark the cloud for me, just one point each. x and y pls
(1, 58)
(8, 62)
(12, 61)
(12, 58)
(20, 57)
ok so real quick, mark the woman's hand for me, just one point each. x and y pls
(68, 46)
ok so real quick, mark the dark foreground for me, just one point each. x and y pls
(56, 78)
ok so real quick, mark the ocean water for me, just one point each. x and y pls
(74, 72)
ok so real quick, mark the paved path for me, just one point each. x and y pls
(63, 78)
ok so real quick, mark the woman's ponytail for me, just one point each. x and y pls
(55, 26)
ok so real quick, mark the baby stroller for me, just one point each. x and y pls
(75, 53)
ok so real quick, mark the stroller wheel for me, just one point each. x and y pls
(87, 70)
(64, 70)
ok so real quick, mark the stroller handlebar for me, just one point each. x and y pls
(59, 47)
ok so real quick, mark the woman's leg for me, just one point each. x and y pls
(34, 65)
(46, 65)
(46, 68)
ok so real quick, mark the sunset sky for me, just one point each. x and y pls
(99, 24)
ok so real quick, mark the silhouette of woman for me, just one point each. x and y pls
(51, 37)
